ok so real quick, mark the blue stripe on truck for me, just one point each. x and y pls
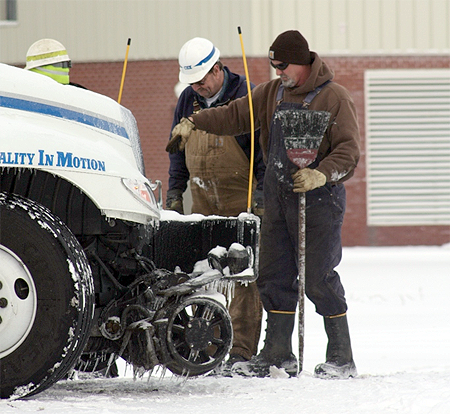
(64, 113)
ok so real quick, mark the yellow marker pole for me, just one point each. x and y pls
(124, 70)
(252, 127)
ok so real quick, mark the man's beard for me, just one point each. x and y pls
(288, 83)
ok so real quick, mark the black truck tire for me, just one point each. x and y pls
(46, 298)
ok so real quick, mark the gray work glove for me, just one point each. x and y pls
(307, 179)
(174, 200)
(180, 135)
(258, 203)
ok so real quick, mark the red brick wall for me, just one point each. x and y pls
(149, 93)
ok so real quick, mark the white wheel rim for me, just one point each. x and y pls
(18, 301)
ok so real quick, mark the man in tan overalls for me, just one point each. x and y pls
(217, 168)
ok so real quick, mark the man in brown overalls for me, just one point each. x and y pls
(218, 170)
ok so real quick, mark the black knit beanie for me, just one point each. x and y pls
(290, 47)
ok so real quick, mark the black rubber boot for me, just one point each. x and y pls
(339, 359)
(277, 349)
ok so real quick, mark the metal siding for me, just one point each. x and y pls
(355, 24)
(440, 24)
(388, 25)
(422, 13)
(405, 26)
(97, 30)
(261, 25)
(339, 39)
(306, 24)
(322, 25)
(371, 30)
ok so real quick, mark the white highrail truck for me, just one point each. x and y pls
(91, 267)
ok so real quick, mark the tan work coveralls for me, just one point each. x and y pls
(219, 177)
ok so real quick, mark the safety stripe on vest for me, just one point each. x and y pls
(43, 108)
(60, 75)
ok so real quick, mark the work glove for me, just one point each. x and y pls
(180, 135)
(307, 179)
(174, 200)
(258, 203)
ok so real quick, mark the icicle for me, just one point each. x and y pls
(150, 373)
(138, 372)
(110, 362)
(184, 377)
(228, 290)
(127, 366)
(95, 365)
(163, 372)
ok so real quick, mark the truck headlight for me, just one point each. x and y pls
(142, 191)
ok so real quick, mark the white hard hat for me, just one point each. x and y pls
(46, 52)
(196, 58)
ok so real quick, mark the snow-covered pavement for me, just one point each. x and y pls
(399, 311)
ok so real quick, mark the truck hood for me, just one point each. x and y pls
(82, 136)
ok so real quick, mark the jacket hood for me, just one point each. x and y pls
(320, 73)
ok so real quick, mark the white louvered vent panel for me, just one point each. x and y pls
(408, 147)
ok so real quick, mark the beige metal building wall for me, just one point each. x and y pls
(369, 26)
(97, 30)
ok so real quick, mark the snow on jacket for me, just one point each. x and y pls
(339, 152)
(235, 87)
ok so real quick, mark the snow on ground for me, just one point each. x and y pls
(399, 311)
